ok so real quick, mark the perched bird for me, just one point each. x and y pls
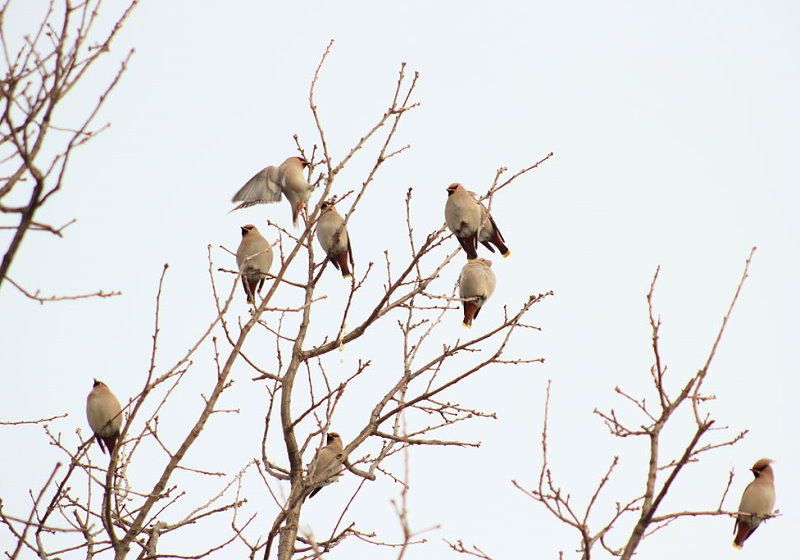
(477, 283)
(253, 257)
(490, 233)
(758, 500)
(326, 460)
(462, 213)
(267, 185)
(105, 416)
(332, 235)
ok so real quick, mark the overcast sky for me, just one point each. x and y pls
(675, 137)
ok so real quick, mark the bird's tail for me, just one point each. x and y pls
(340, 260)
(498, 241)
(470, 245)
(250, 285)
(743, 531)
(111, 442)
(470, 309)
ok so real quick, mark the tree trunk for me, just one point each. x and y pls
(289, 533)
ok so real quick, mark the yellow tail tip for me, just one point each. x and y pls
(346, 275)
(505, 255)
(737, 546)
(466, 325)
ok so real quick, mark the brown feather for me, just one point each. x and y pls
(296, 211)
(110, 441)
(497, 239)
(743, 531)
(470, 245)
(246, 288)
(252, 285)
(339, 260)
(470, 312)
(350, 254)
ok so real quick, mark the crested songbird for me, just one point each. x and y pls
(463, 216)
(758, 500)
(105, 416)
(267, 185)
(476, 284)
(326, 460)
(254, 258)
(332, 235)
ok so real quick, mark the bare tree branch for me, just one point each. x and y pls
(48, 64)
(559, 502)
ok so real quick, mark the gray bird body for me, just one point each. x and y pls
(462, 214)
(338, 249)
(758, 500)
(105, 415)
(267, 185)
(254, 259)
(326, 461)
(294, 185)
(477, 281)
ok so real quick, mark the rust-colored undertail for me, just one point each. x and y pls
(109, 442)
(252, 285)
(743, 532)
(296, 211)
(471, 310)
(470, 245)
(339, 260)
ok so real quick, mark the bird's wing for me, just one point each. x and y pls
(484, 215)
(262, 188)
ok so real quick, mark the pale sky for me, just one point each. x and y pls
(674, 130)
